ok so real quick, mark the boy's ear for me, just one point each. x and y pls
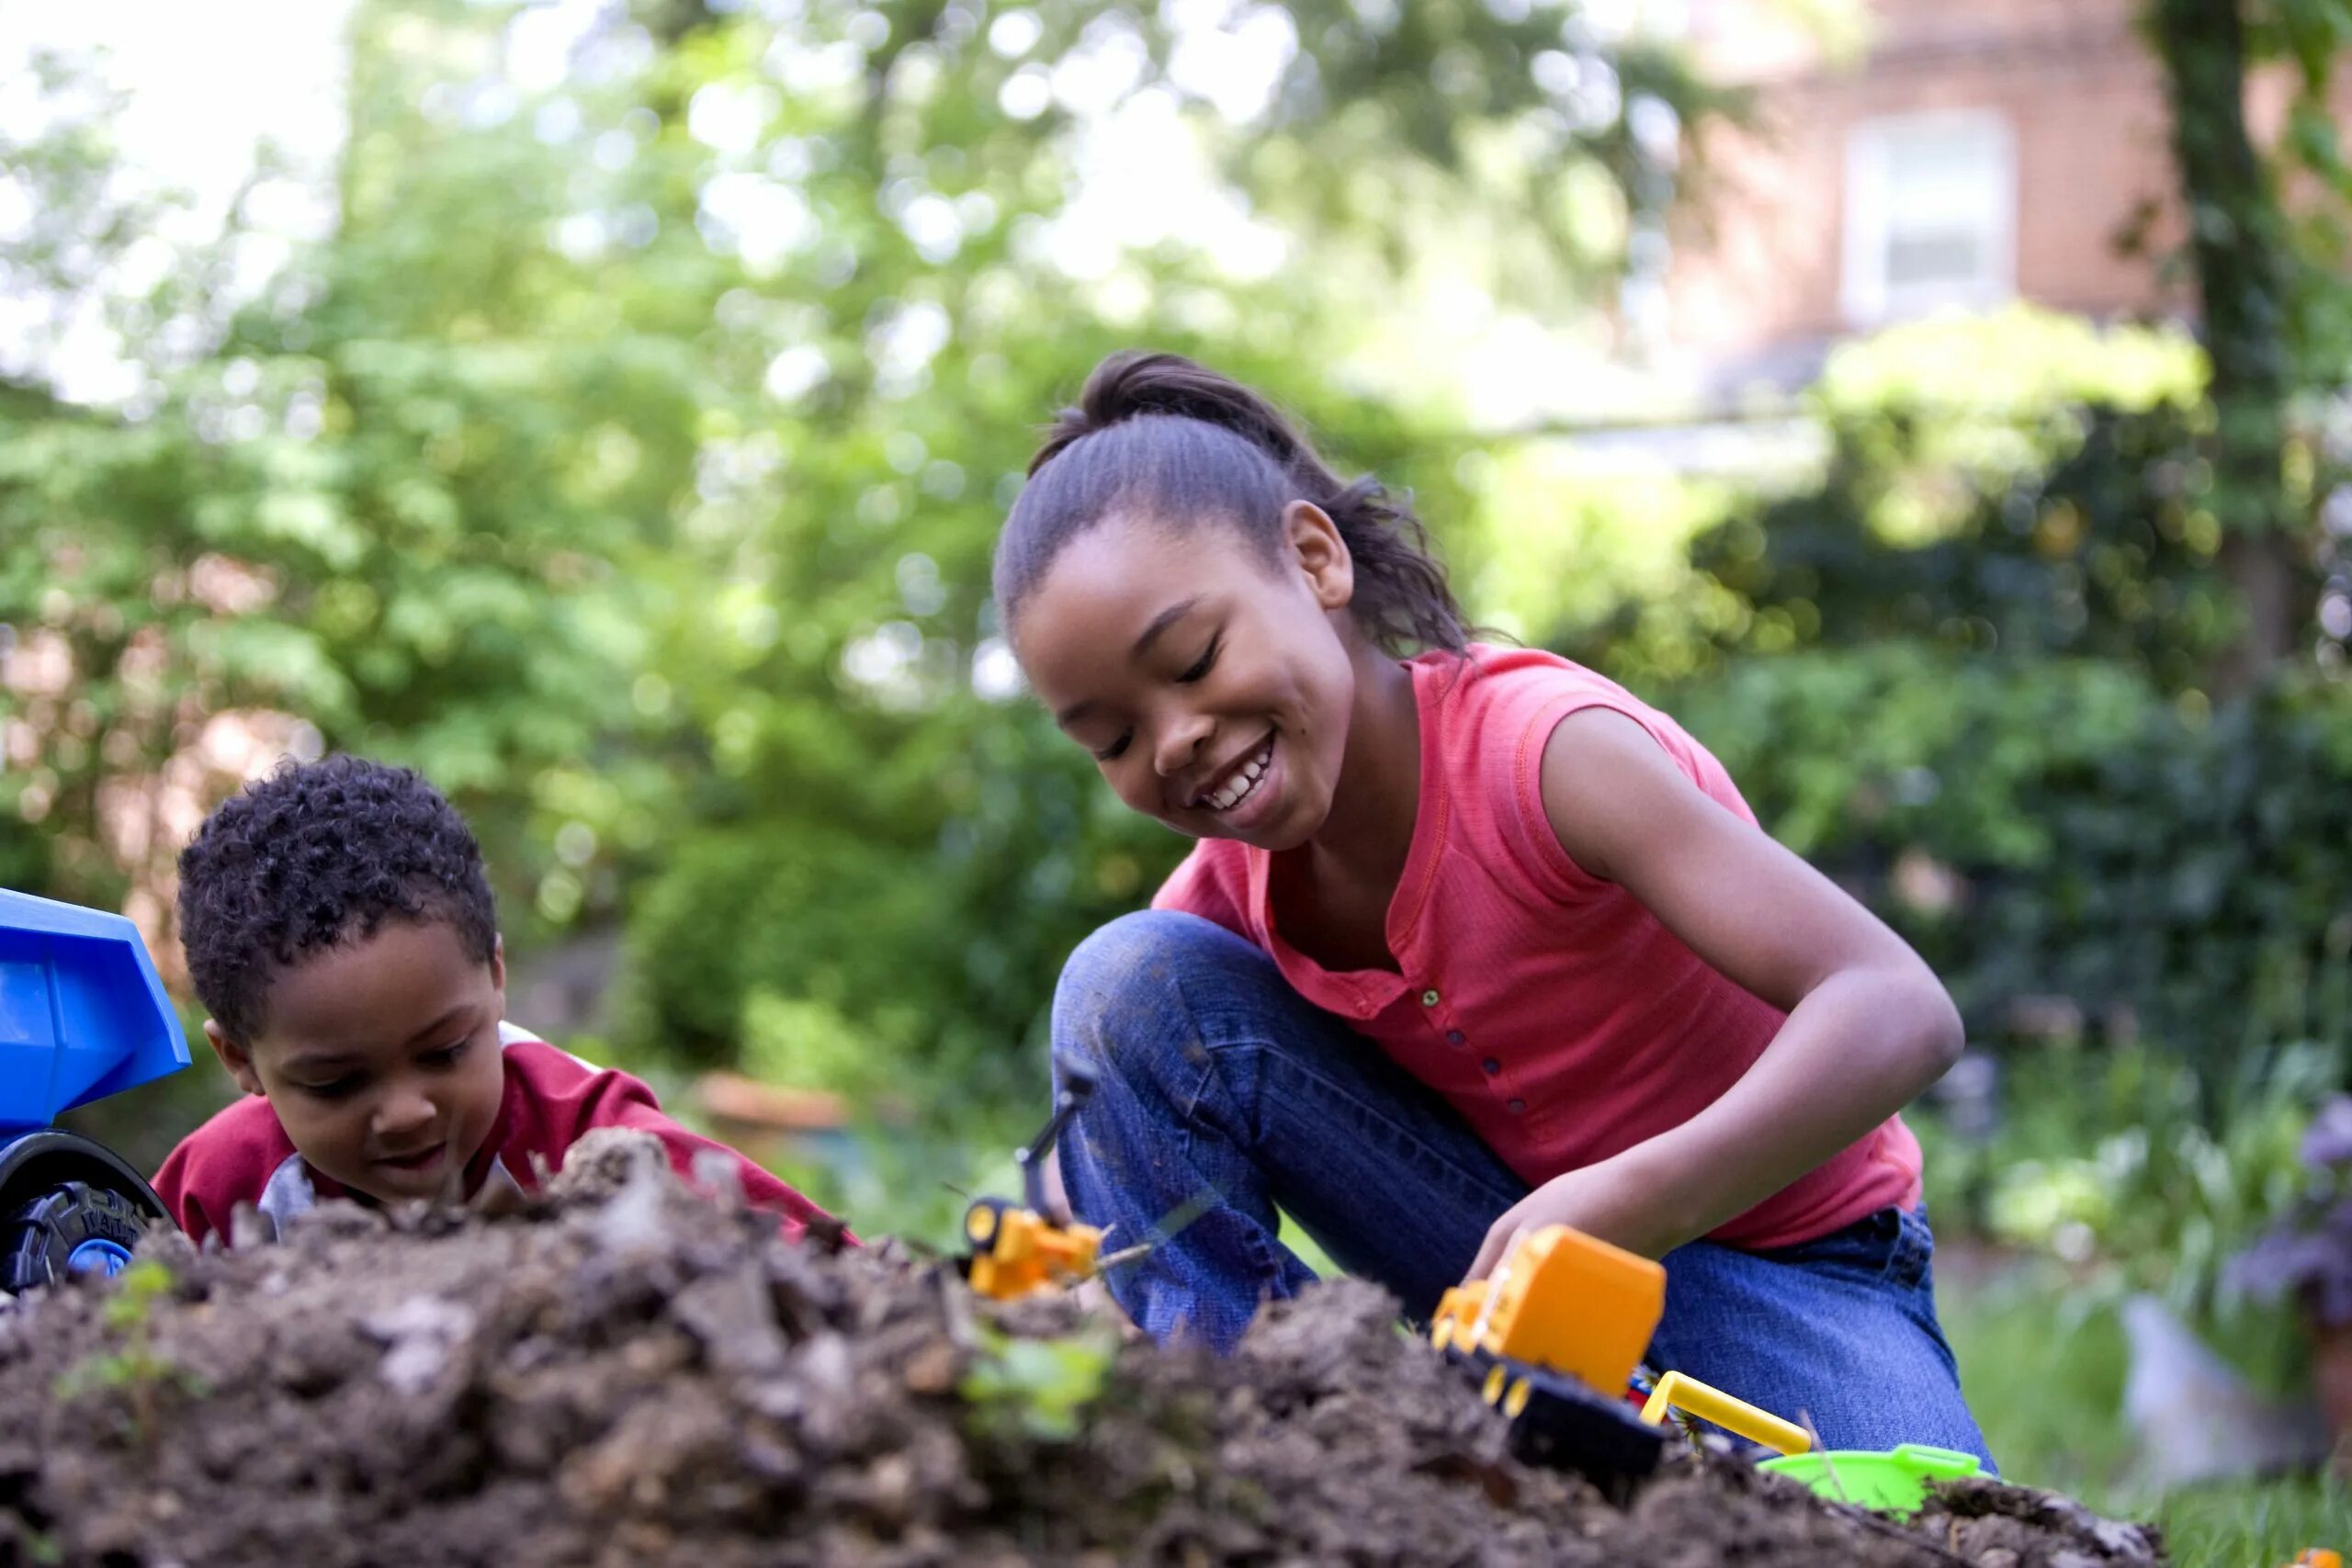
(1321, 554)
(234, 1056)
(498, 971)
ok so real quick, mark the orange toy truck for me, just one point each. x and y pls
(1018, 1250)
(1557, 1334)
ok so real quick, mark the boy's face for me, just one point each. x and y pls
(381, 1058)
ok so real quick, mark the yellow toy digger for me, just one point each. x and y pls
(1017, 1249)
(1557, 1334)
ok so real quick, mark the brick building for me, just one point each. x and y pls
(1961, 152)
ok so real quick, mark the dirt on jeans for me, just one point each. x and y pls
(622, 1372)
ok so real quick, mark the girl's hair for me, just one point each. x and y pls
(1158, 437)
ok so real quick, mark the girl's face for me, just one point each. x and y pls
(1213, 687)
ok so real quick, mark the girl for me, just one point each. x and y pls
(1473, 942)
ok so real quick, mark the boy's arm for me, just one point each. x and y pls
(180, 1199)
(576, 1097)
(227, 1161)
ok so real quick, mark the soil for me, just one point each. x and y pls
(622, 1372)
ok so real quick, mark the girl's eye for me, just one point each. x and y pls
(445, 1056)
(1201, 668)
(1115, 749)
(335, 1088)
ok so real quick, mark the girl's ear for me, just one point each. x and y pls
(1321, 554)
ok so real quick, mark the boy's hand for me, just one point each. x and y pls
(1611, 1200)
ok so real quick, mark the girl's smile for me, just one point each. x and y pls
(1239, 783)
(1227, 716)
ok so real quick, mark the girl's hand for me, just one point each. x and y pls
(1610, 1201)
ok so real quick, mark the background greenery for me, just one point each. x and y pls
(625, 455)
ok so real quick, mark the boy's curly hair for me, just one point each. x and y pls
(316, 854)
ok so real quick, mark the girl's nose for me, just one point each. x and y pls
(1179, 742)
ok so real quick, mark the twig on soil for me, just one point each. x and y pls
(1829, 1465)
(1124, 1255)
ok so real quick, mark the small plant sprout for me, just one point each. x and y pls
(136, 1367)
(1037, 1387)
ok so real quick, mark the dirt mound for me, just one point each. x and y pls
(632, 1375)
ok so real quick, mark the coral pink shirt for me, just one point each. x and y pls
(1547, 1006)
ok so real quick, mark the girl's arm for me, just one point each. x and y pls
(1869, 1025)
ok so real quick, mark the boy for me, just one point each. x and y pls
(341, 933)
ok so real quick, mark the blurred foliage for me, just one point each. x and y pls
(1963, 669)
(2116, 1172)
(2103, 552)
(2135, 1169)
(628, 452)
(2023, 483)
(1036, 1388)
(2056, 828)
(2045, 1369)
(2296, 204)
(2306, 1256)
(2266, 244)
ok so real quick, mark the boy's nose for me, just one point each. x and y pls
(402, 1112)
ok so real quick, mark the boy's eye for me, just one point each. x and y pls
(1201, 666)
(445, 1056)
(1115, 749)
(333, 1088)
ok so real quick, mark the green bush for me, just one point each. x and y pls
(1963, 668)
(2104, 551)
(2133, 1167)
(2058, 829)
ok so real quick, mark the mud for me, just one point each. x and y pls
(622, 1373)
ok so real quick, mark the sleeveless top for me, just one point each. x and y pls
(1547, 1006)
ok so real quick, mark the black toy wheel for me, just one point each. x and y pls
(68, 1206)
(1557, 1421)
(73, 1228)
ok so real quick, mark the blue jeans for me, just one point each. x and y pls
(1222, 1096)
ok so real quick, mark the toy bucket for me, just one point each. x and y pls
(1893, 1483)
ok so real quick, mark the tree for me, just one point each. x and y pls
(2255, 286)
(628, 454)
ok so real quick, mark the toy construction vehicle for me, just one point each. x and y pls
(1557, 1334)
(82, 1016)
(1018, 1250)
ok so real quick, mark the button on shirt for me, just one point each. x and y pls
(1550, 1007)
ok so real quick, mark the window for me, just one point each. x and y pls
(1930, 215)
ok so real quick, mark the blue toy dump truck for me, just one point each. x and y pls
(82, 1015)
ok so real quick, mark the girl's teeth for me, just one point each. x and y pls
(1247, 780)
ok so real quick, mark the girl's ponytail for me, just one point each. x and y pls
(1159, 435)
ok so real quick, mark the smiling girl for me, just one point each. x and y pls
(1473, 942)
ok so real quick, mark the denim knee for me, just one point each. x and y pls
(1122, 985)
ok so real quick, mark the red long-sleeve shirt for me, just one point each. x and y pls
(242, 1156)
